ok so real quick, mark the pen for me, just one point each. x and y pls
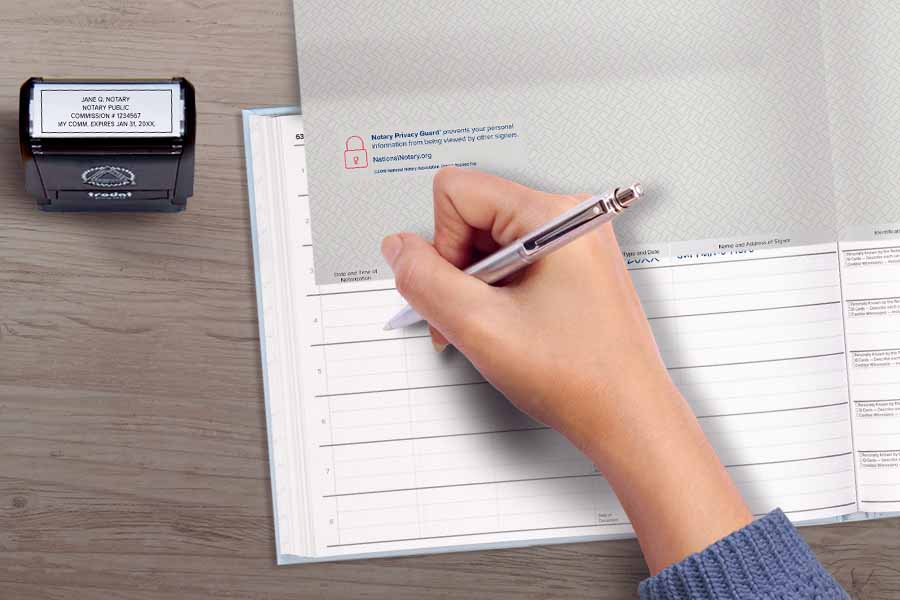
(564, 229)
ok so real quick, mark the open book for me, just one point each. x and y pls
(788, 350)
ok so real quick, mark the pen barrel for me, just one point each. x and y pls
(499, 265)
(585, 217)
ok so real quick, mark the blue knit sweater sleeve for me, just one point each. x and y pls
(766, 560)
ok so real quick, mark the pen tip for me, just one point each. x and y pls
(387, 327)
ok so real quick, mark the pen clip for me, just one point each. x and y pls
(548, 236)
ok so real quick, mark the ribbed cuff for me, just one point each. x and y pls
(766, 559)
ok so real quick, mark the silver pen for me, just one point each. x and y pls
(569, 226)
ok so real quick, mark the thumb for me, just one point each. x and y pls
(445, 296)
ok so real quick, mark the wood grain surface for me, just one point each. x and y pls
(132, 434)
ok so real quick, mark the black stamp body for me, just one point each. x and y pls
(125, 145)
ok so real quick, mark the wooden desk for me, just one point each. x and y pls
(132, 435)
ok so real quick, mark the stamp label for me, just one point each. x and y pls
(84, 110)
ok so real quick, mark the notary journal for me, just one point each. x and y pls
(787, 348)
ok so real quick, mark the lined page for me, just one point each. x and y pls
(420, 451)
(408, 449)
(871, 280)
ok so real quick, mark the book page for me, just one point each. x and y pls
(417, 450)
(410, 450)
(871, 286)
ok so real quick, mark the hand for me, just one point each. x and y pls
(566, 340)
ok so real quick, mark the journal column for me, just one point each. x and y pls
(870, 271)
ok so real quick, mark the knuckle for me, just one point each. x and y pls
(443, 177)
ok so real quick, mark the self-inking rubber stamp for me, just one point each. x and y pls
(91, 145)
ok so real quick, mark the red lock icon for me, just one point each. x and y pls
(355, 154)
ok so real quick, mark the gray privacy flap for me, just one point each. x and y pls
(720, 109)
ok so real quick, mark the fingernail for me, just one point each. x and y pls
(390, 248)
(438, 347)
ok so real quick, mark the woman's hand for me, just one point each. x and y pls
(567, 341)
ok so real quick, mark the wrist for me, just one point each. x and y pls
(621, 412)
(650, 448)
